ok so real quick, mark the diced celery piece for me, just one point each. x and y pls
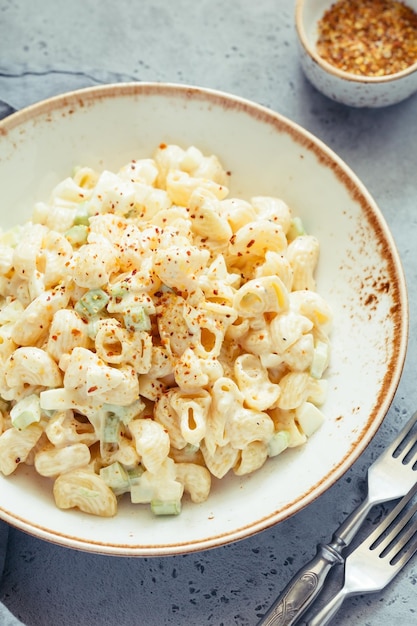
(168, 507)
(135, 474)
(82, 215)
(137, 319)
(92, 302)
(24, 419)
(111, 428)
(309, 418)
(25, 412)
(116, 477)
(296, 229)
(278, 442)
(77, 235)
(191, 448)
(125, 413)
(119, 290)
(320, 359)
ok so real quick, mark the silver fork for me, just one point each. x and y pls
(389, 477)
(375, 562)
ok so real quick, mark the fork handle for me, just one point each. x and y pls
(304, 587)
(326, 614)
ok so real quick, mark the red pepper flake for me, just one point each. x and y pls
(368, 37)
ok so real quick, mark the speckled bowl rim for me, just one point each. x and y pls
(332, 69)
(66, 103)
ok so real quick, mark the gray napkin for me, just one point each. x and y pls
(6, 618)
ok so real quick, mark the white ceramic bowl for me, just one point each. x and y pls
(344, 87)
(359, 273)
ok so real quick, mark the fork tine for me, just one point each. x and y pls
(395, 539)
(409, 550)
(402, 436)
(380, 530)
(388, 535)
(407, 450)
(406, 549)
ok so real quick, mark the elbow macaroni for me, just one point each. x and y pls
(155, 332)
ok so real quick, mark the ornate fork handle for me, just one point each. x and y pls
(306, 585)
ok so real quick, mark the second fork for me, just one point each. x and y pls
(389, 477)
(375, 562)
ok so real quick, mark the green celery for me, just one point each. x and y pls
(119, 289)
(116, 477)
(137, 319)
(92, 303)
(278, 442)
(320, 359)
(77, 235)
(191, 448)
(124, 413)
(26, 411)
(296, 229)
(166, 507)
(135, 474)
(111, 428)
(82, 215)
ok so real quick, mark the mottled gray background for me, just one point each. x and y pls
(247, 48)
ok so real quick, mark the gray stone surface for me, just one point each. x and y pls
(249, 49)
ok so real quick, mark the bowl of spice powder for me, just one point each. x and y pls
(361, 53)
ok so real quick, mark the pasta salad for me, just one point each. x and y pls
(156, 334)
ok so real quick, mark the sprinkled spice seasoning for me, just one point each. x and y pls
(368, 37)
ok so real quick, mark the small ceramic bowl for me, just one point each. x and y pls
(344, 87)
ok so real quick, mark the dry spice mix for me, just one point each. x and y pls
(369, 37)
